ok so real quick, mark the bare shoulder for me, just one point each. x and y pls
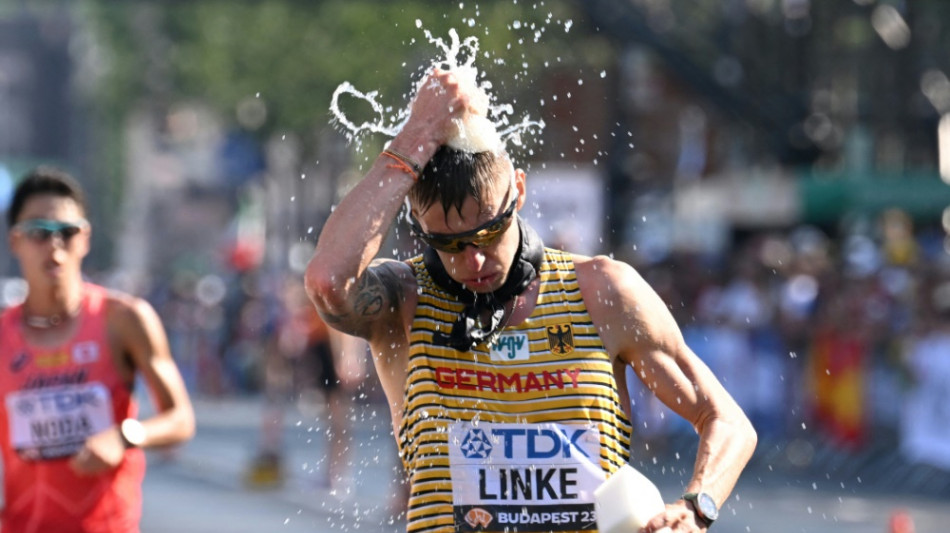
(124, 310)
(605, 276)
(621, 302)
(401, 279)
(135, 328)
(389, 281)
(384, 296)
(400, 272)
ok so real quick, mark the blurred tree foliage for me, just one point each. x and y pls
(293, 54)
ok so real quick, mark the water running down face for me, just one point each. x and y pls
(478, 241)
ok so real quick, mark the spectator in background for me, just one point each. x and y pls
(307, 356)
(71, 442)
(925, 424)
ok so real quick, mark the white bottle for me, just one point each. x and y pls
(475, 132)
(626, 502)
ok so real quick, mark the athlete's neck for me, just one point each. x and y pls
(52, 306)
(483, 313)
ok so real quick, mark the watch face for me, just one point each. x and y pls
(132, 431)
(707, 506)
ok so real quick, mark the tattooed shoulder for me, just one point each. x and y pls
(377, 297)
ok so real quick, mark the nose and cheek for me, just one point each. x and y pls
(56, 244)
(55, 250)
(469, 262)
(473, 258)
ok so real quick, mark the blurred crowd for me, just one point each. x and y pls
(838, 335)
(843, 338)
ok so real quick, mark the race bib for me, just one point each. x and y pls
(52, 423)
(524, 477)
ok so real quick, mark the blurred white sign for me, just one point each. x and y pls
(566, 206)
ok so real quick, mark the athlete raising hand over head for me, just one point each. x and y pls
(502, 360)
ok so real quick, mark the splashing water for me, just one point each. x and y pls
(487, 128)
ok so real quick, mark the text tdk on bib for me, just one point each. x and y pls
(506, 475)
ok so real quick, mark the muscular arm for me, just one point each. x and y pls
(353, 295)
(374, 299)
(638, 328)
(136, 335)
(146, 344)
(349, 293)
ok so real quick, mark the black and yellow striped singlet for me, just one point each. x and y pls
(513, 436)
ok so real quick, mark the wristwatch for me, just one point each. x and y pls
(132, 432)
(704, 506)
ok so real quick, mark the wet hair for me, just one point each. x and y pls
(44, 180)
(452, 175)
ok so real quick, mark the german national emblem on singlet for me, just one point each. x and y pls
(561, 339)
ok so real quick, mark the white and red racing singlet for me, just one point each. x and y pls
(52, 400)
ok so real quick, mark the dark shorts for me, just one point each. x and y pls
(319, 359)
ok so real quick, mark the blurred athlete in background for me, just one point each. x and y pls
(72, 443)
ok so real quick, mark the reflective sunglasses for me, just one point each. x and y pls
(41, 230)
(480, 237)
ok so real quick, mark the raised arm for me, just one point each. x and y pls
(353, 293)
(638, 328)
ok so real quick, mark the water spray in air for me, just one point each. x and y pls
(488, 128)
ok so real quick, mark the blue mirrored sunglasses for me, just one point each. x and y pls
(42, 230)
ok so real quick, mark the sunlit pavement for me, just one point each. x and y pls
(200, 488)
(822, 490)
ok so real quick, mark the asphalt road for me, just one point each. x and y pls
(200, 488)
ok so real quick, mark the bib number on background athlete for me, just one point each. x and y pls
(54, 422)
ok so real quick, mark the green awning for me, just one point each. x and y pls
(826, 197)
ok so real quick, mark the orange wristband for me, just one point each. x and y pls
(403, 163)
